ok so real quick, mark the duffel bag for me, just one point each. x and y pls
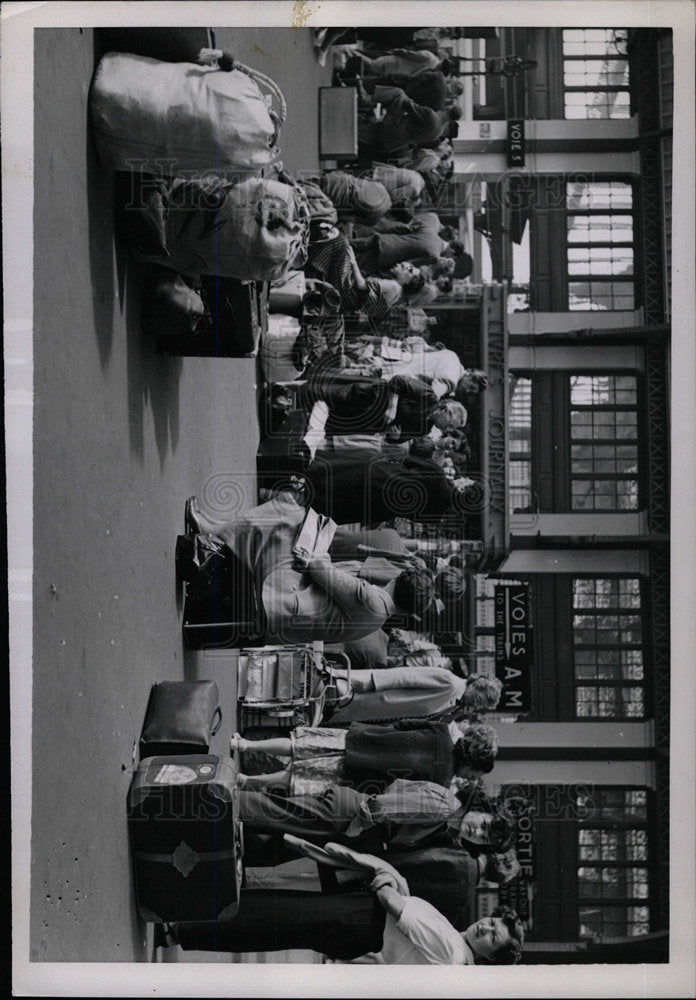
(165, 118)
(254, 230)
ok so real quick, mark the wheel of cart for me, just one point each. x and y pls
(289, 685)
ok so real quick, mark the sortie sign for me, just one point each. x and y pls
(513, 645)
(515, 142)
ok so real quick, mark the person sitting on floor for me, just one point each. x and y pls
(405, 407)
(423, 241)
(401, 123)
(431, 88)
(332, 259)
(316, 600)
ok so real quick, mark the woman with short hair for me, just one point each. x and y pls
(364, 753)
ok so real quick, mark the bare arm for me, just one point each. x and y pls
(357, 273)
(392, 902)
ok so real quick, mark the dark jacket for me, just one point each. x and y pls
(364, 486)
(358, 405)
(428, 88)
(411, 748)
(406, 123)
(444, 876)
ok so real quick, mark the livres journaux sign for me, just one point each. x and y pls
(513, 645)
(515, 142)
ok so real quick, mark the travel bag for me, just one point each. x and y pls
(186, 838)
(234, 321)
(181, 718)
(170, 118)
(256, 229)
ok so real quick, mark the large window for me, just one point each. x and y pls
(604, 442)
(599, 245)
(595, 73)
(520, 446)
(608, 642)
(612, 856)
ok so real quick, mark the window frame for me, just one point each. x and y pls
(599, 88)
(636, 441)
(599, 279)
(624, 824)
(643, 611)
(527, 454)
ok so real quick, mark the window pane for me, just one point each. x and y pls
(520, 443)
(595, 73)
(594, 41)
(589, 295)
(589, 229)
(636, 803)
(588, 104)
(609, 195)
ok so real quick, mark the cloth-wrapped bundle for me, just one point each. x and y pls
(256, 229)
(167, 118)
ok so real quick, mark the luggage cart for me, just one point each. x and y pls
(288, 685)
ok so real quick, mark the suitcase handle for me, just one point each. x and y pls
(227, 63)
(217, 714)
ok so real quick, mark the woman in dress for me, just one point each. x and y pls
(374, 754)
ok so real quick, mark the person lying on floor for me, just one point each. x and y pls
(384, 921)
(316, 600)
(414, 749)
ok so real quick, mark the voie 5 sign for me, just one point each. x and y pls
(513, 645)
(515, 142)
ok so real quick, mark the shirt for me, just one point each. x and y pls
(403, 693)
(422, 936)
(443, 367)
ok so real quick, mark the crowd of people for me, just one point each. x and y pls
(368, 834)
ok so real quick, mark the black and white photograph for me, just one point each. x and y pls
(349, 412)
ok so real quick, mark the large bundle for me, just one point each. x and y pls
(256, 229)
(167, 118)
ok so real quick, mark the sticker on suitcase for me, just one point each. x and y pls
(180, 774)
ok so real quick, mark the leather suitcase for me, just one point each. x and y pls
(181, 718)
(186, 838)
(238, 317)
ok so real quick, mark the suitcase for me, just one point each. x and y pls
(220, 607)
(186, 838)
(181, 718)
(237, 317)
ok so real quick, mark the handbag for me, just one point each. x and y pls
(181, 718)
